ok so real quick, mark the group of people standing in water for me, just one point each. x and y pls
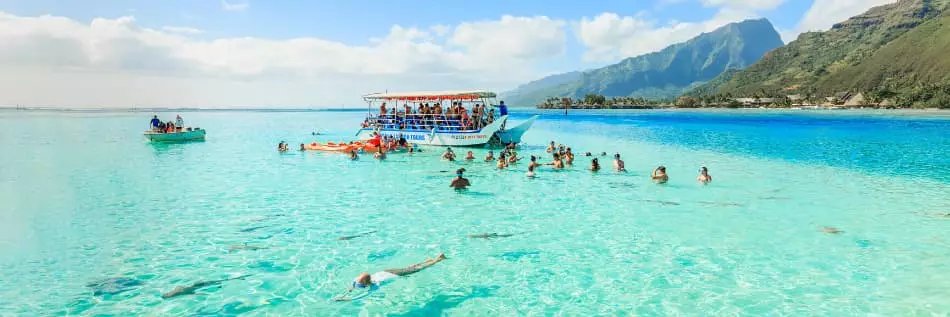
(562, 157)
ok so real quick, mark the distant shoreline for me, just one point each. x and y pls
(162, 110)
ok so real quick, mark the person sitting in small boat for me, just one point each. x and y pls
(374, 281)
(550, 148)
(353, 155)
(470, 156)
(659, 175)
(618, 164)
(704, 176)
(379, 155)
(170, 127)
(557, 162)
(155, 123)
(594, 165)
(448, 155)
(490, 157)
(502, 161)
(460, 182)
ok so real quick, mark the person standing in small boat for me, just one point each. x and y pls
(155, 123)
(502, 108)
(179, 122)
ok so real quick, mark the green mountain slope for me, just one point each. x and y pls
(667, 73)
(899, 51)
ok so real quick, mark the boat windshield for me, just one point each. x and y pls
(441, 115)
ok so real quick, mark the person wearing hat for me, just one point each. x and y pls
(659, 175)
(460, 182)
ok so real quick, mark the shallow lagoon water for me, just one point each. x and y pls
(86, 199)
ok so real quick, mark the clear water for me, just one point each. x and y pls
(85, 198)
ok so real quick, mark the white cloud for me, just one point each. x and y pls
(609, 37)
(182, 29)
(118, 63)
(825, 13)
(240, 6)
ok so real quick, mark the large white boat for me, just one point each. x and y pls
(404, 118)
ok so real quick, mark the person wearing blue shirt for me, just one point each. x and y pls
(502, 108)
(155, 122)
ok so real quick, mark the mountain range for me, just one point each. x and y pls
(898, 52)
(661, 75)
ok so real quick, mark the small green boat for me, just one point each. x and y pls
(196, 134)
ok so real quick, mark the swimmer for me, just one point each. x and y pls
(530, 173)
(513, 158)
(534, 162)
(303, 147)
(557, 162)
(374, 281)
(282, 147)
(594, 165)
(659, 175)
(550, 147)
(568, 157)
(704, 176)
(448, 155)
(460, 182)
(502, 161)
(353, 155)
(618, 164)
(588, 154)
(490, 157)
(603, 153)
(379, 155)
(470, 156)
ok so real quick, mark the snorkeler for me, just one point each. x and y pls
(460, 182)
(490, 157)
(550, 147)
(374, 281)
(448, 155)
(470, 156)
(704, 176)
(659, 175)
(618, 163)
(594, 165)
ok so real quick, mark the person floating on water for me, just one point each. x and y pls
(704, 176)
(470, 156)
(460, 182)
(594, 165)
(490, 157)
(618, 164)
(659, 175)
(372, 282)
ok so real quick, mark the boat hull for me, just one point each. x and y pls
(513, 135)
(438, 138)
(184, 136)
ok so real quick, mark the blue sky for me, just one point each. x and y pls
(384, 44)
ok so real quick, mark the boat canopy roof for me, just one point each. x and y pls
(431, 95)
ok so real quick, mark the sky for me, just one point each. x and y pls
(317, 53)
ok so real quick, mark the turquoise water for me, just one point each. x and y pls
(85, 199)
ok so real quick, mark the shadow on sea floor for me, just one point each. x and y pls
(438, 305)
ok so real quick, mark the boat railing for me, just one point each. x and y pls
(425, 122)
